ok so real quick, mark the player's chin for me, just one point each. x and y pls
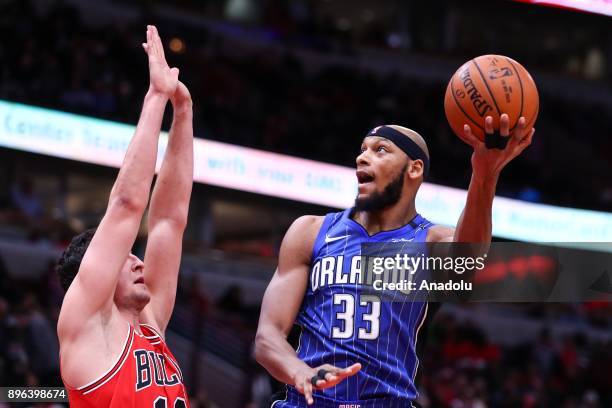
(141, 294)
(364, 190)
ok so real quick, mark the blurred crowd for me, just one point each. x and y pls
(28, 342)
(435, 27)
(461, 368)
(273, 100)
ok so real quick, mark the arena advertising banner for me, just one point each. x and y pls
(102, 142)
(591, 6)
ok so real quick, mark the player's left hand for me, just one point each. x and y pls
(335, 375)
(162, 79)
(487, 162)
(303, 379)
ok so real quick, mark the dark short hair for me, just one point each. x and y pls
(69, 263)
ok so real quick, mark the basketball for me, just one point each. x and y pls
(490, 85)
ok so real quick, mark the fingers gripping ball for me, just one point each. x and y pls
(490, 85)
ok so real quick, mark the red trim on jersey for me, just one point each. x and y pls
(175, 364)
(110, 373)
(152, 330)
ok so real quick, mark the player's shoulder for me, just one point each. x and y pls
(306, 226)
(308, 221)
(440, 233)
(301, 235)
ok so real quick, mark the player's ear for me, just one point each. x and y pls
(415, 169)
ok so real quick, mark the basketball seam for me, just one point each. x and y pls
(459, 105)
(487, 86)
(518, 75)
(534, 117)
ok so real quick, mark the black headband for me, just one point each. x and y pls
(405, 143)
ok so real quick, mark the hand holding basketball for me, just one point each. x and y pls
(334, 375)
(488, 162)
(163, 79)
(489, 86)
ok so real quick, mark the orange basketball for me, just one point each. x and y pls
(490, 85)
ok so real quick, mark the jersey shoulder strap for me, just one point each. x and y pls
(328, 222)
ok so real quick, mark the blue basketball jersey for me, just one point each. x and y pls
(342, 326)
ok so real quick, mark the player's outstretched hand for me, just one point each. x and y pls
(487, 162)
(303, 379)
(162, 78)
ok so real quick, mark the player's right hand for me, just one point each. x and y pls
(162, 78)
(488, 162)
(181, 96)
(302, 380)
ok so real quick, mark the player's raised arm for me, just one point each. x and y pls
(91, 292)
(280, 307)
(475, 222)
(168, 213)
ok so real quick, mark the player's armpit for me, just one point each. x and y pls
(442, 242)
(438, 239)
(283, 298)
(440, 233)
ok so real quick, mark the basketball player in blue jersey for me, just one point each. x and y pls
(355, 351)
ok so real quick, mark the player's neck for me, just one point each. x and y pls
(132, 316)
(386, 219)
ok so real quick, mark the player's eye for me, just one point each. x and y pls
(382, 149)
(363, 149)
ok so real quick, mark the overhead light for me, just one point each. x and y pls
(177, 45)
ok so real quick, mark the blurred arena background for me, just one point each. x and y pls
(304, 78)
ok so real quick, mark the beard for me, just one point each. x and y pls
(389, 196)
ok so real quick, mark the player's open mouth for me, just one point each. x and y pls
(364, 177)
(139, 280)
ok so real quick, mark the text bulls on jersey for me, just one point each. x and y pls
(151, 367)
